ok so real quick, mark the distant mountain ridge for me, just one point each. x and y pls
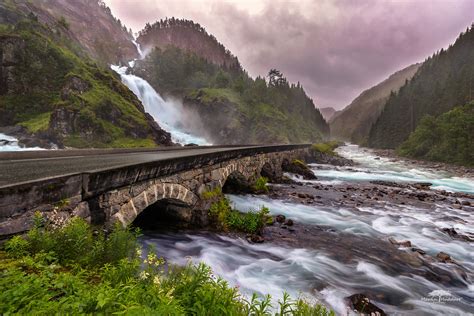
(444, 81)
(353, 123)
(186, 35)
(328, 113)
(186, 62)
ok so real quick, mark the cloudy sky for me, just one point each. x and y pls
(335, 48)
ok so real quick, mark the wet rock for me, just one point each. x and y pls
(466, 203)
(454, 234)
(456, 206)
(362, 304)
(404, 243)
(300, 168)
(444, 257)
(280, 218)
(256, 239)
(422, 185)
(289, 222)
(418, 250)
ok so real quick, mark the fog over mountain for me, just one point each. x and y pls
(336, 48)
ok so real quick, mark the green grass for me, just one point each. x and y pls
(38, 123)
(211, 194)
(70, 270)
(226, 218)
(107, 109)
(326, 148)
(260, 185)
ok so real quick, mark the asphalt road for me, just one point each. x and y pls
(20, 167)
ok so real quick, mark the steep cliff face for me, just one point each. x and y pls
(50, 94)
(188, 36)
(88, 24)
(91, 22)
(353, 123)
(444, 81)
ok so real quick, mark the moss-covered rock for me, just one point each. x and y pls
(66, 99)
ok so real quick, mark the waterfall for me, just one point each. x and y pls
(168, 114)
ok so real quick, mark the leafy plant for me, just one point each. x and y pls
(44, 280)
(261, 185)
(226, 218)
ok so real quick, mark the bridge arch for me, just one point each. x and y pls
(154, 193)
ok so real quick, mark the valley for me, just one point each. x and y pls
(157, 172)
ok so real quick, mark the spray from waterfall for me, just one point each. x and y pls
(169, 114)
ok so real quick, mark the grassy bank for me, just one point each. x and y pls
(72, 269)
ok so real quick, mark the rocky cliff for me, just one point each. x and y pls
(52, 95)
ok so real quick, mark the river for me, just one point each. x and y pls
(340, 249)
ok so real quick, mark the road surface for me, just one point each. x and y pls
(27, 166)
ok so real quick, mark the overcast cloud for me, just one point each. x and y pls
(335, 48)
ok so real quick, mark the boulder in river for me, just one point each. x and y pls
(280, 218)
(403, 243)
(362, 304)
(444, 257)
(300, 168)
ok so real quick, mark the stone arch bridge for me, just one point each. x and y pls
(121, 193)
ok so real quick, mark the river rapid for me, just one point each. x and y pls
(339, 244)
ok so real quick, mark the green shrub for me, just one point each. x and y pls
(261, 185)
(326, 148)
(209, 195)
(41, 283)
(226, 218)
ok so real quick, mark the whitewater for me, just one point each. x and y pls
(352, 259)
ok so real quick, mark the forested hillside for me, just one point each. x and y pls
(232, 106)
(354, 122)
(447, 138)
(444, 81)
(51, 92)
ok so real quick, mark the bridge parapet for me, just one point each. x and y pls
(120, 194)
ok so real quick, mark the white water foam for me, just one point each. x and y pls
(371, 167)
(167, 113)
(10, 143)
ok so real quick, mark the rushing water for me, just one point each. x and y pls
(358, 262)
(371, 167)
(167, 113)
(10, 143)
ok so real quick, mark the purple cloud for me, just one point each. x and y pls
(335, 48)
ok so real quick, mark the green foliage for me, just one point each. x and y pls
(107, 114)
(38, 123)
(74, 243)
(447, 138)
(261, 112)
(226, 218)
(62, 21)
(326, 148)
(45, 277)
(443, 81)
(260, 184)
(211, 194)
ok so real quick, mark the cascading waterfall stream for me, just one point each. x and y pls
(167, 113)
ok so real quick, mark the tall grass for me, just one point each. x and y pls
(73, 270)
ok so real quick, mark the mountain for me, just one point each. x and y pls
(53, 92)
(327, 113)
(353, 123)
(231, 106)
(443, 81)
(186, 35)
